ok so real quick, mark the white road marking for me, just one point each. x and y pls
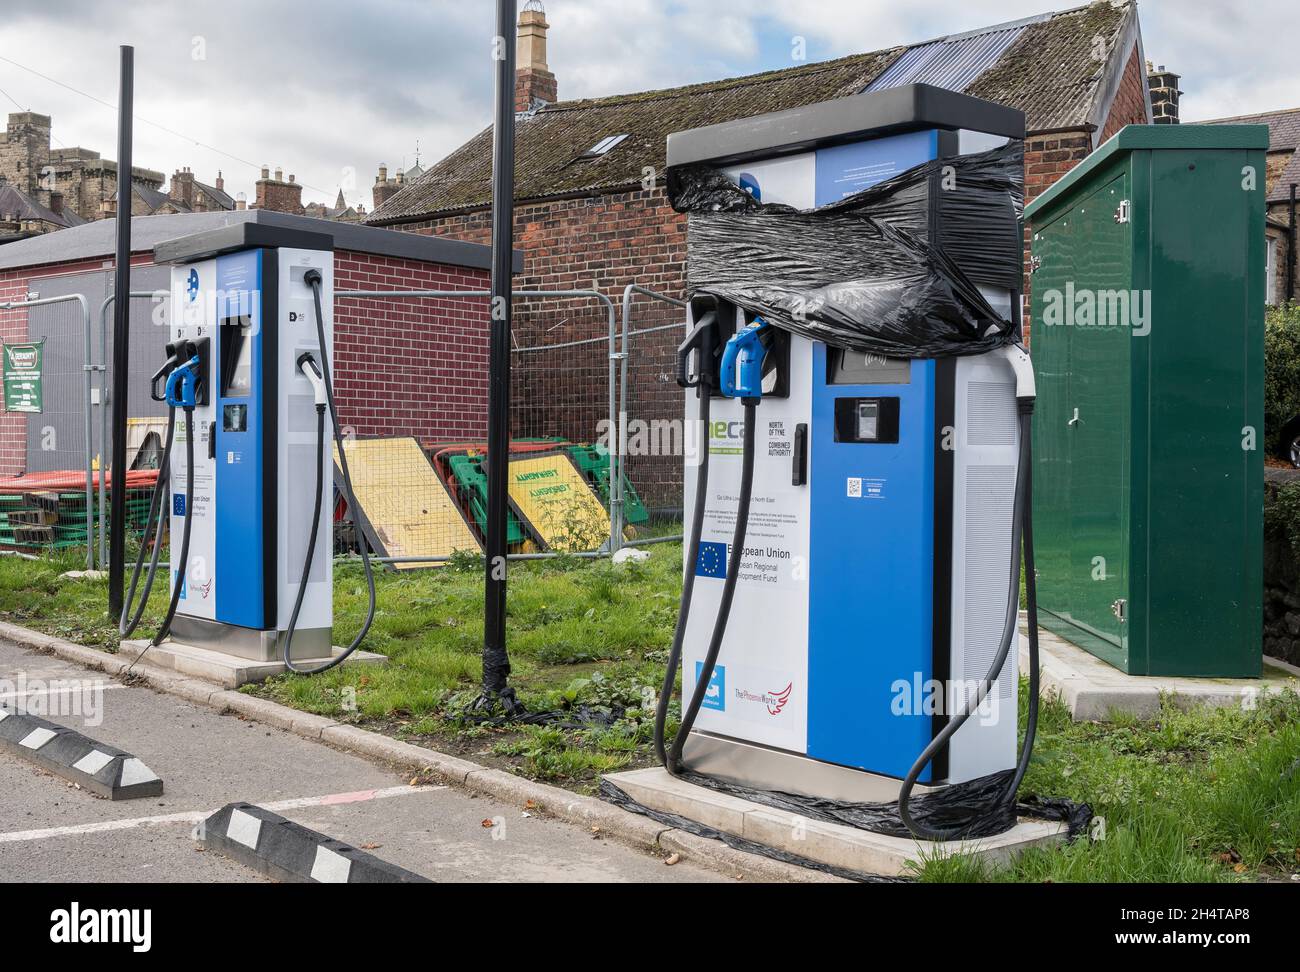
(196, 816)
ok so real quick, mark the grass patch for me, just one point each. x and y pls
(1206, 795)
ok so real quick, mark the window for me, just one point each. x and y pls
(1270, 268)
(602, 147)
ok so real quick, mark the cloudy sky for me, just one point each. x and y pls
(331, 88)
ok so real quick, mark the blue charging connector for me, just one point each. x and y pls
(183, 385)
(741, 372)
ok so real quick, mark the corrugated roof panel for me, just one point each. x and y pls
(953, 64)
(908, 64)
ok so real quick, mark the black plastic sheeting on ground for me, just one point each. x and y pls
(891, 270)
(617, 796)
(515, 714)
(975, 806)
(961, 804)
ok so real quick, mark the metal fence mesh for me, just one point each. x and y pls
(411, 385)
(651, 403)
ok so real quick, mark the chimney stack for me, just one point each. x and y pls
(1164, 95)
(384, 188)
(279, 196)
(182, 187)
(534, 82)
(220, 183)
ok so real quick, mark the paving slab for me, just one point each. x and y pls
(1095, 691)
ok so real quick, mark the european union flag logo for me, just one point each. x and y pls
(178, 504)
(712, 561)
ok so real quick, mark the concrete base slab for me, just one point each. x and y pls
(1095, 691)
(826, 843)
(227, 670)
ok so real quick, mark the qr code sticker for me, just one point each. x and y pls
(855, 486)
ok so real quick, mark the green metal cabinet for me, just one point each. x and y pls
(1147, 335)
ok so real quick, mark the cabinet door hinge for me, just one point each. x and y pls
(1119, 608)
(1122, 212)
(1035, 262)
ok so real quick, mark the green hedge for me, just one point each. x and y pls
(1282, 512)
(1281, 369)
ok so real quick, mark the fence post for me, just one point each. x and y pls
(85, 327)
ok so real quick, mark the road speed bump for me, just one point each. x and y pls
(287, 851)
(101, 769)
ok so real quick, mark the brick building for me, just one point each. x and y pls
(401, 367)
(589, 175)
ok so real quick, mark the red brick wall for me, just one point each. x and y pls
(410, 367)
(401, 367)
(1129, 106)
(1050, 156)
(600, 243)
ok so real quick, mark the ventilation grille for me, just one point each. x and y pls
(990, 413)
(990, 498)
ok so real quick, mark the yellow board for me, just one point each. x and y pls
(405, 504)
(553, 497)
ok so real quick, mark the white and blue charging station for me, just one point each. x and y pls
(871, 594)
(250, 330)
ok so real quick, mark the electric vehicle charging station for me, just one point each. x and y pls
(872, 594)
(248, 363)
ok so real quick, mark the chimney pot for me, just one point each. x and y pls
(266, 173)
(534, 81)
(279, 174)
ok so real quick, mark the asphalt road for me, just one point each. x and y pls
(53, 831)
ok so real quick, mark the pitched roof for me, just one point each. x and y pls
(1045, 66)
(15, 202)
(1283, 136)
(1283, 127)
(222, 199)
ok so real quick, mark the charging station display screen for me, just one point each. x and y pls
(868, 414)
(866, 419)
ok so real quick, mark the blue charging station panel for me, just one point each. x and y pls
(240, 397)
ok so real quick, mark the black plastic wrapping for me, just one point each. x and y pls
(891, 270)
(976, 805)
(620, 798)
